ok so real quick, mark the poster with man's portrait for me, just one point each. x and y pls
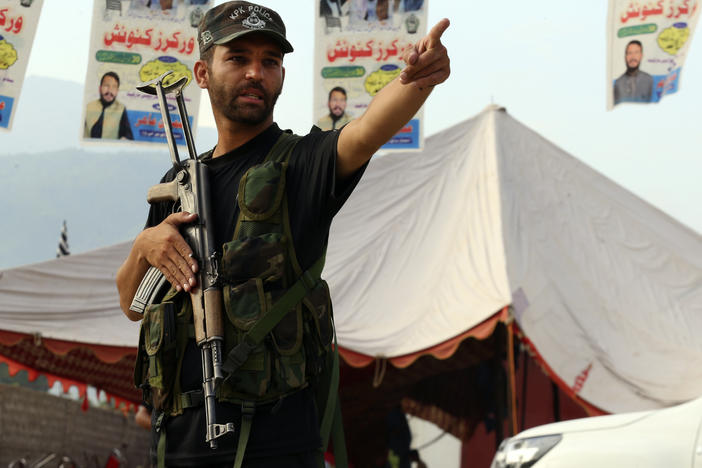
(133, 42)
(18, 25)
(647, 46)
(359, 48)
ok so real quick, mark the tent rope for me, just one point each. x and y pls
(431, 442)
(381, 366)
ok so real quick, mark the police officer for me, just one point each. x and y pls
(270, 236)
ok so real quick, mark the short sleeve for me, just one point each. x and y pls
(314, 193)
(312, 173)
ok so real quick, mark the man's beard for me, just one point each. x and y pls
(225, 102)
(334, 116)
(631, 70)
(106, 103)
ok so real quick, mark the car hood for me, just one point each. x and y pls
(660, 416)
(585, 424)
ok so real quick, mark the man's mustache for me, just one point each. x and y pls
(252, 85)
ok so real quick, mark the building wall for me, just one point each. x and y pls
(33, 424)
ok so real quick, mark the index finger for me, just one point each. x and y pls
(180, 217)
(434, 36)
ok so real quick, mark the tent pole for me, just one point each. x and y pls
(556, 402)
(525, 368)
(512, 378)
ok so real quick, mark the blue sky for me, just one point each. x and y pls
(544, 61)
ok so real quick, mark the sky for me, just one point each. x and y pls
(544, 61)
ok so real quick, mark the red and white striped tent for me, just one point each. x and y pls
(489, 222)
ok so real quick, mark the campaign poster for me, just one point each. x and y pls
(18, 24)
(133, 42)
(359, 48)
(647, 43)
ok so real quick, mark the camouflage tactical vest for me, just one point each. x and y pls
(257, 267)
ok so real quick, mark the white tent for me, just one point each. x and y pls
(72, 298)
(607, 288)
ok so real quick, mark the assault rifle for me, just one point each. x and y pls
(190, 187)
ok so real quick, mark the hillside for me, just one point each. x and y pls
(48, 177)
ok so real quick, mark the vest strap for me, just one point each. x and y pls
(240, 353)
(283, 145)
(161, 447)
(161, 450)
(192, 398)
(340, 455)
(331, 420)
(248, 408)
(325, 426)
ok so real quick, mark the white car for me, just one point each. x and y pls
(665, 438)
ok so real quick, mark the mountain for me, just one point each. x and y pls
(102, 197)
(47, 178)
(47, 117)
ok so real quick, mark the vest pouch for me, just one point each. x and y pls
(249, 267)
(159, 342)
(244, 303)
(290, 372)
(287, 334)
(252, 380)
(254, 257)
(277, 366)
(286, 338)
(318, 302)
(141, 366)
(261, 190)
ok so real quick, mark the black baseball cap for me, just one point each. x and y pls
(231, 20)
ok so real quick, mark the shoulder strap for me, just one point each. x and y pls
(283, 146)
(206, 155)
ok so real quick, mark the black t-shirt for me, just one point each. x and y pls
(314, 197)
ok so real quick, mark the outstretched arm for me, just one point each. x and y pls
(163, 247)
(428, 64)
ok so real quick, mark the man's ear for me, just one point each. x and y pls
(201, 77)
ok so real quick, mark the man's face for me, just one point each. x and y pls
(633, 56)
(382, 9)
(108, 89)
(246, 78)
(337, 103)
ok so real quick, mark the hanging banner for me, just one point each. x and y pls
(133, 42)
(647, 42)
(18, 24)
(359, 48)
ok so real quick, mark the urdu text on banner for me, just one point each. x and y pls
(647, 43)
(18, 24)
(133, 42)
(359, 48)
